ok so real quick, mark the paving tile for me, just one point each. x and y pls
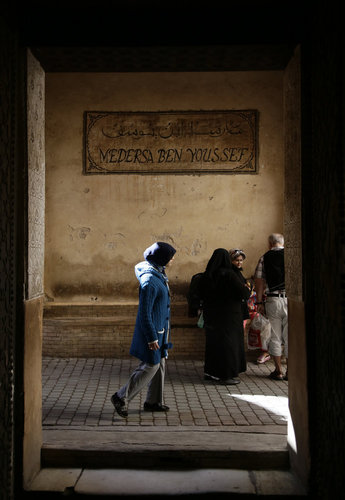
(78, 391)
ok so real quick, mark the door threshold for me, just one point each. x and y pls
(96, 483)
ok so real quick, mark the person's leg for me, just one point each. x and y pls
(273, 313)
(286, 373)
(278, 364)
(156, 386)
(285, 334)
(139, 379)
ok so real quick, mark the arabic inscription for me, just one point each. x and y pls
(170, 142)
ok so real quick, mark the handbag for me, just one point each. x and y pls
(200, 322)
(259, 332)
(254, 339)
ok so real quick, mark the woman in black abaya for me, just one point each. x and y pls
(224, 295)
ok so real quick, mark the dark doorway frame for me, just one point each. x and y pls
(323, 232)
(278, 60)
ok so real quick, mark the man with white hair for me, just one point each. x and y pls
(270, 281)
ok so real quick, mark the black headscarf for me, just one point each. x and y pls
(212, 286)
(220, 260)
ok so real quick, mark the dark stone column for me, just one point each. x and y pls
(323, 146)
(12, 245)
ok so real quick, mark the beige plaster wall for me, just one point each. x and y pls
(98, 226)
(32, 441)
(34, 292)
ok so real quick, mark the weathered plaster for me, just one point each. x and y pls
(35, 271)
(98, 226)
(36, 176)
(32, 389)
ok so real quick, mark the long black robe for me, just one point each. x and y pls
(224, 297)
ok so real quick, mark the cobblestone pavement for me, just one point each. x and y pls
(76, 392)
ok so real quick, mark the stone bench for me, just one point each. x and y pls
(105, 331)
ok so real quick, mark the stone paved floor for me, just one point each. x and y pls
(76, 393)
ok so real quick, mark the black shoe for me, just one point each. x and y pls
(208, 377)
(155, 407)
(276, 376)
(119, 405)
(230, 381)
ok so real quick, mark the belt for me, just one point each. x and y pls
(276, 294)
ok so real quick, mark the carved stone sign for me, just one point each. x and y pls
(178, 142)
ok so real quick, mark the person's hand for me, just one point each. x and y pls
(154, 346)
(261, 309)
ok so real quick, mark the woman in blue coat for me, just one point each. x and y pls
(150, 341)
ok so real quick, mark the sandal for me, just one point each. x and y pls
(263, 358)
(276, 376)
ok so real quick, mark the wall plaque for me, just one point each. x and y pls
(178, 142)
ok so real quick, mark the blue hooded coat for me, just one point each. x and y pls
(153, 317)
